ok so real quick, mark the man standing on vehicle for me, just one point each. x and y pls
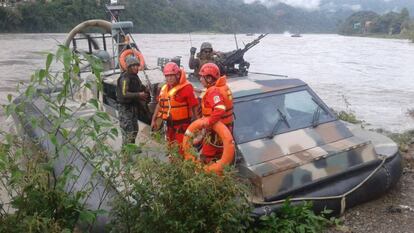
(217, 105)
(131, 96)
(206, 55)
(177, 104)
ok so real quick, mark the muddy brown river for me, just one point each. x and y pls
(374, 78)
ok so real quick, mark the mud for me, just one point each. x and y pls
(393, 212)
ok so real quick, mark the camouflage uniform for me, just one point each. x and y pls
(129, 107)
(201, 58)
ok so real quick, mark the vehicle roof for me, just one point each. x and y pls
(256, 83)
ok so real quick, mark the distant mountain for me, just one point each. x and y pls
(288, 18)
(166, 16)
(326, 15)
(378, 6)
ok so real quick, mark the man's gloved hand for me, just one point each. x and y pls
(193, 50)
(143, 95)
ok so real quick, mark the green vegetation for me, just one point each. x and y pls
(180, 197)
(50, 16)
(348, 117)
(38, 199)
(155, 196)
(164, 16)
(304, 220)
(368, 23)
(403, 139)
(183, 16)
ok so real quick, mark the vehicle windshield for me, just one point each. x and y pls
(272, 115)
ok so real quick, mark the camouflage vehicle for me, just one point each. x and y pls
(288, 142)
(295, 146)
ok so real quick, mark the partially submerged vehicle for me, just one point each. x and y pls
(289, 144)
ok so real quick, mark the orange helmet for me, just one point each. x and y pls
(171, 68)
(210, 69)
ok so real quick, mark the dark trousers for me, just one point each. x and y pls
(128, 121)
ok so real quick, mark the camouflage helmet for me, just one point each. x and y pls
(206, 45)
(131, 60)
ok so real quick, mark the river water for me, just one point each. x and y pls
(374, 78)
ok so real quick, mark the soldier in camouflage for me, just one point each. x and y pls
(206, 55)
(131, 95)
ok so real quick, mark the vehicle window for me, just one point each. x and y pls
(268, 116)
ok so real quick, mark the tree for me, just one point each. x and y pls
(9, 19)
(355, 23)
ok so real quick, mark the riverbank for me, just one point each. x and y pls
(385, 36)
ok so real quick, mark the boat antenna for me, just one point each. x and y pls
(235, 40)
(115, 17)
(191, 41)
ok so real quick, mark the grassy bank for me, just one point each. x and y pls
(385, 36)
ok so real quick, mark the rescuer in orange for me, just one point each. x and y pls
(177, 104)
(217, 105)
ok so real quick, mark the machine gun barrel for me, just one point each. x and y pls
(254, 42)
(237, 55)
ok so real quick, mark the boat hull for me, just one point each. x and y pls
(381, 180)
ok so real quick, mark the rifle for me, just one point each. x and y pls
(152, 91)
(230, 59)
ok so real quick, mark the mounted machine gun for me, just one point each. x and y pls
(228, 61)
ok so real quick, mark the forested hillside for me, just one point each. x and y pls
(226, 16)
(164, 16)
(371, 23)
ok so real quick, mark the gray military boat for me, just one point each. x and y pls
(289, 143)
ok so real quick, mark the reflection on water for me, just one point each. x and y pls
(372, 77)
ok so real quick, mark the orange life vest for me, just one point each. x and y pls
(171, 110)
(221, 85)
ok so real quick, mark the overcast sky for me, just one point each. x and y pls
(307, 4)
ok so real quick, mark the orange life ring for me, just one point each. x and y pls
(228, 145)
(128, 52)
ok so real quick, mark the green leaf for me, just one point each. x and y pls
(94, 102)
(16, 174)
(49, 60)
(9, 97)
(10, 109)
(65, 133)
(76, 69)
(33, 122)
(103, 115)
(87, 216)
(114, 131)
(29, 91)
(88, 85)
(53, 139)
(42, 75)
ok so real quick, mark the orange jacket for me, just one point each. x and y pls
(171, 110)
(221, 85)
